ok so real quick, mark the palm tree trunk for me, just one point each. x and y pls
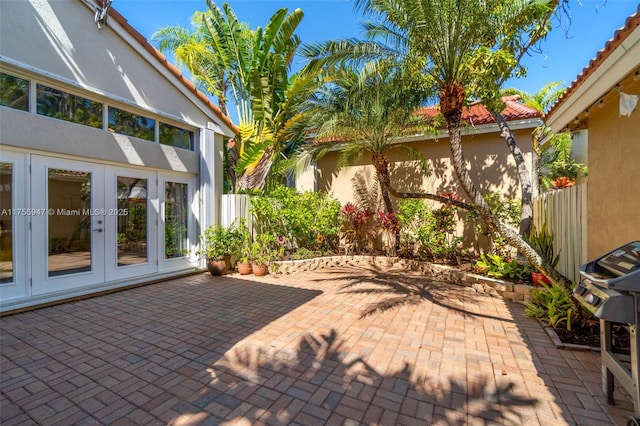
(451, 101)
(526, 217)
(381, 164)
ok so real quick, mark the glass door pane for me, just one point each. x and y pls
(132, 220)
(69, 215)
(176, 208)
(6, 222)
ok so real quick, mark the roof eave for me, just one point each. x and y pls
(129, 34)
(620, 56)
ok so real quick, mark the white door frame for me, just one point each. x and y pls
(20, 215)
(190, 259)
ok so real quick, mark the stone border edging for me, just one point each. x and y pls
(555, 339)
(479, 283)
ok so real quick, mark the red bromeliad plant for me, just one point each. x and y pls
(356, 226)
(390, 226)
(388, 221)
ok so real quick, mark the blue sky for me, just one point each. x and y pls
(565, 52)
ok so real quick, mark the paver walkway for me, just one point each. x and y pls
(294, 349)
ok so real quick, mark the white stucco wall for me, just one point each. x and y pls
(61, 38)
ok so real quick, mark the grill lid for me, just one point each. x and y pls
(618, 270)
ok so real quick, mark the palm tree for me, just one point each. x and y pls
(469, 48)
(365, 112)
(543, 99)
(225, 55)
(210, 52)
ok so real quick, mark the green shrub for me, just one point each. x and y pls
(217, 241)
(304, 253)
(308, 219)
(542, 241)
(265, 249)
(428, 232)
(507, 210)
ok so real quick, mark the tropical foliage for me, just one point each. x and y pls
(557, 163)
(428, 233)
(496, 266)
(364, 112)
(224, 55)
(468, 48)
(551, 305)
(217, 241)
(543, 99)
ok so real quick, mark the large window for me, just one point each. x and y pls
(14, 92)
(131, 124)
(65, 106)
(176, 209)
(55, 103)
(175, 136)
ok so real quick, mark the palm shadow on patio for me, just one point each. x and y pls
(404, 287)
(319, 382)
(572, 377)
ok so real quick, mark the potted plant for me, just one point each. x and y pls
(216, 245)
(264, 251)
(242, 249)
(542, 241)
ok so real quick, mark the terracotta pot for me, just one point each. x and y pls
(219, 266)
(244, 268)
(259, 270)
(538, 278)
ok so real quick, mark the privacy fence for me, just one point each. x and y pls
(564, 212)
(234, 207)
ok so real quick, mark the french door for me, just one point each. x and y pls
(131, 243)
(68, 236)
(102, 223)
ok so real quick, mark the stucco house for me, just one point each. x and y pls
(598, 107)
(489, 161)
(110, 159)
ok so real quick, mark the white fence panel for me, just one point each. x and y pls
(233, 208)
(565, 214)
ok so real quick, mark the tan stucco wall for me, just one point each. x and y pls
(489, 161)
(613, 203)
(487, 156)
(61, 38)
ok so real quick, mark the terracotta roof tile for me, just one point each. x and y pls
(477, 113)
(610, 46)
(113, 14)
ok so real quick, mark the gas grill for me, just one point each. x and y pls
(610, 289)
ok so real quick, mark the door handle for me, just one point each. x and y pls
(97, 230)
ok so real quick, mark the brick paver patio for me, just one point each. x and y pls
(294, 350)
